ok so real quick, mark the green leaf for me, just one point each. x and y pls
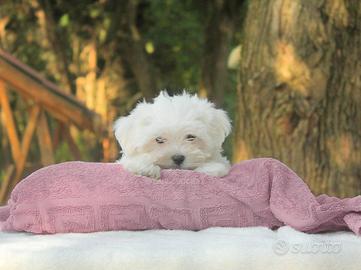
(64, 20)
(94, 13)
(149, 47)
(102, 35)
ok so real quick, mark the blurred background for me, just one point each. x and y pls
(287, 71)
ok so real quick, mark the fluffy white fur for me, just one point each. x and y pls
(184, 125)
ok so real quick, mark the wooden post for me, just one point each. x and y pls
(25, 144)
(58, 134)
(72, 145)
(9, 174)
(10, 123)
(14, 173)
(45, 141)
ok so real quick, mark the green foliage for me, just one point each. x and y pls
(176, 30)
(63, 153)
(64, 20)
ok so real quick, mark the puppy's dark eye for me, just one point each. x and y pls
(190, 137)
(160, 140)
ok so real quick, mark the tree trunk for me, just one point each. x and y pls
(299, 90)
(135, 54)
(218, 33)
(57, 40)
(143, 71)
(219, 29)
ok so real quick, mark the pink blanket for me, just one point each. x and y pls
(89, 197)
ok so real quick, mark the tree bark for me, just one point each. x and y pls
(299, 92)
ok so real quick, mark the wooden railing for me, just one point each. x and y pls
(43, 99)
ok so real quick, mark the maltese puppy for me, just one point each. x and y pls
(174, 132)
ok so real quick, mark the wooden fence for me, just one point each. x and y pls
(43, 99)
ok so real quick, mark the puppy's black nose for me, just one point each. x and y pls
(178, 159)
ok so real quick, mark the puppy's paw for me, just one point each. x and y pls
(152, 171)
(141, 166)
(214, 169)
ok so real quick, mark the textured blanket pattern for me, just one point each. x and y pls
(89, 197)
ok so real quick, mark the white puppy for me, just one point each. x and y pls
(180, 132)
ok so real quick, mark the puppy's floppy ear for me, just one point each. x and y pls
(122, 130)
(222, 125)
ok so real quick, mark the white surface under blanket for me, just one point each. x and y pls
(214, 248)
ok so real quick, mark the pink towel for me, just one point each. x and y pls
(89, 197)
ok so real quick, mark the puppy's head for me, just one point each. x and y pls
(181, 131)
